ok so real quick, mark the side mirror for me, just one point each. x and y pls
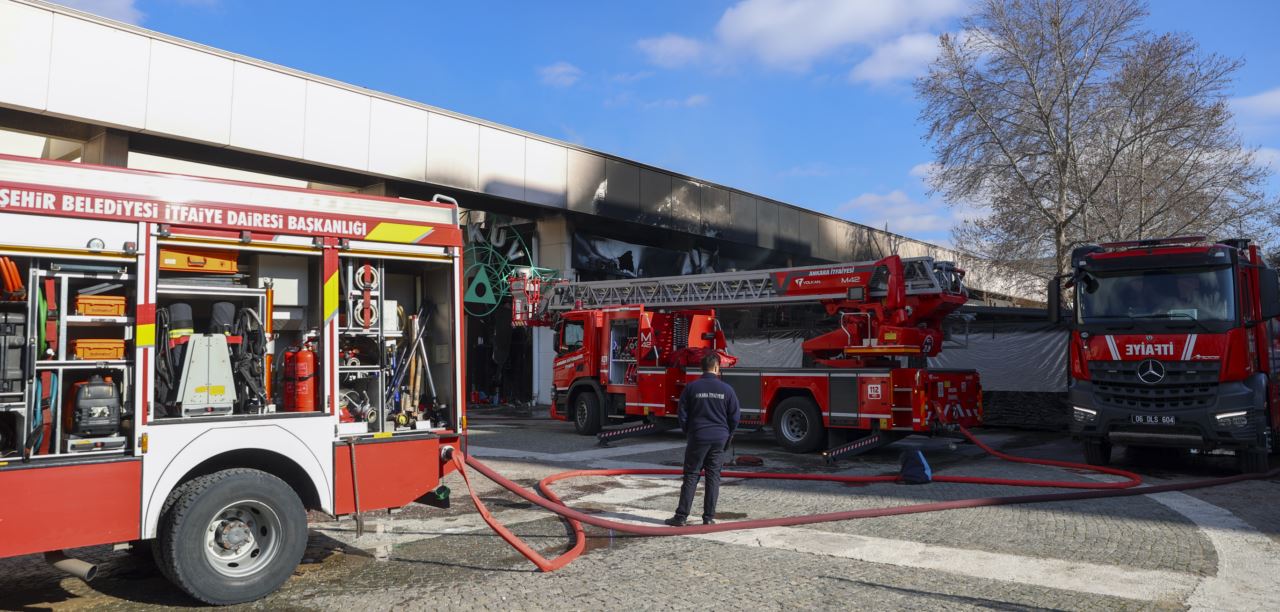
(1269, 293)
(1054, 300)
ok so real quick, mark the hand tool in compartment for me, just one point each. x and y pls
(13, 342)
(12, 289)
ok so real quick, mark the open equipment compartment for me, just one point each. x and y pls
(232, 329)
(66, 334)
(395, 347)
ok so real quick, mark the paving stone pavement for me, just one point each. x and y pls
(426, 558)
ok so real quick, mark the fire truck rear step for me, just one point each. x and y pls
(633, 431)
(876, 439)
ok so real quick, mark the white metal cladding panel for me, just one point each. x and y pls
(98, 73)
(835, 242)
(452, 151)
(268, 109)
(766, 224)
(545, 167)
(501, 163)
(177, 188)
(398, 140)
(189, 93)
(337, 126)
(22, 230)
(25, 37)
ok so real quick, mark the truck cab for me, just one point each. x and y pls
(1173, 344)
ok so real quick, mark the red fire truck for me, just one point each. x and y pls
(625, 349)
(199, 362)
(1174, 342)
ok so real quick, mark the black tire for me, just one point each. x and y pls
(166, 509)
(797, 425)
(1097, 452)
(1253, 460)
(263, 527)
(586, 412)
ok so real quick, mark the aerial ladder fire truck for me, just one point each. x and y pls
(189, 365)
(625, 350)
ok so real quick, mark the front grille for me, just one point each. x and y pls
(1186, 384)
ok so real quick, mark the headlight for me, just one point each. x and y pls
(1232, 419)
(1084, 415)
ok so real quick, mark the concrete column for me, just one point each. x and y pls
(551, 250)
(107, 147)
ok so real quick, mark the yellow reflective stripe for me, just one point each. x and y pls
(146, 334)
(331, 296)
(177, 333)
(404, 233)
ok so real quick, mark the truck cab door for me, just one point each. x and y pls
(572, 360)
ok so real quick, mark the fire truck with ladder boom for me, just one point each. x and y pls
(1175, 342)
(625, 350)
(189, 365)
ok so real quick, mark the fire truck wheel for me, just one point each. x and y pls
(1253, 460)
(232, 536)
(586, 413)
(1097, 452)
(797, 425)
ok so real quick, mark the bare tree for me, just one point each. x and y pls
(1067, 124)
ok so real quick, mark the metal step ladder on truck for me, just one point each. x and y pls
(1175, 342)
(625, 349)
(197, 363)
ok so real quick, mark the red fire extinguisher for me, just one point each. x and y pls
(300, 379)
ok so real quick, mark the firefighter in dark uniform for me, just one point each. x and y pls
(709, 414)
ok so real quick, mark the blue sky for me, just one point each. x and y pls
(805, 101)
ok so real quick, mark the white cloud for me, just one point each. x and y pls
(120, 10)
(671, 50)
(692, 101)
(697, 100)
(1265, 105)
(791, 34)
(560, 74)
(922, 171)
(809, 170)
(1268, 156)
(631, 77)
(906, 57)
(903, 215)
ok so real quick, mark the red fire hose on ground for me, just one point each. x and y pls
(575, 518)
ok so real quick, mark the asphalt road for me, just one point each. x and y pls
(1208, 549)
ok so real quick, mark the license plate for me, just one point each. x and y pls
(1154, 419)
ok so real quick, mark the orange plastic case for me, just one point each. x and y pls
(97, 348)
(100, 305)
(208, 261)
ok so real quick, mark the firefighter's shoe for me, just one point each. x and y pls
(677, 521)
(708, 521)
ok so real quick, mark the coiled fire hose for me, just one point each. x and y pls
(575, 518)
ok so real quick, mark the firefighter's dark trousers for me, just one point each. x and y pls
(700, 456)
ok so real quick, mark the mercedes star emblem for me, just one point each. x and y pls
(1150, 371)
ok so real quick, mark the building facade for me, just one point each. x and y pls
(77, 87)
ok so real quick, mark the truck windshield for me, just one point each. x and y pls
(1197, 295)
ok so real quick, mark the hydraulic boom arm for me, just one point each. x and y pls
(886, 308)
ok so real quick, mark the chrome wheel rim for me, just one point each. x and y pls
(580, 414)
(242, 538)
(795, 425)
